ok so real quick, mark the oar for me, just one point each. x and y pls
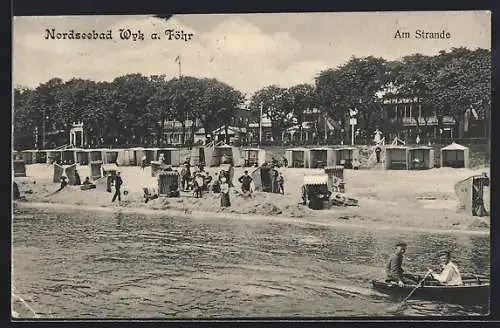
(400, 305)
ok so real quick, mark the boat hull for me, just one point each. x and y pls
(469, 294)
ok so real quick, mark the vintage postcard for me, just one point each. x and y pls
(283, 165)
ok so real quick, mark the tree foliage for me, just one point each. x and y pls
(132, 109)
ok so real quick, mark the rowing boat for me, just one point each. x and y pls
(475, 290)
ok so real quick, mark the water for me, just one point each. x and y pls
(90, 265)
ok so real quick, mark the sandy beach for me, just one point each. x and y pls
(408, 199)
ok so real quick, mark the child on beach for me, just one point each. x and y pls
(281, 183)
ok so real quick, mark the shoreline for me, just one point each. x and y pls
(387, 199)
(236, 216)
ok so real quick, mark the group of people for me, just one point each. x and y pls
(449, 275)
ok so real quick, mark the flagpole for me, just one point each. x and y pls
(180, 72)
(260, 124)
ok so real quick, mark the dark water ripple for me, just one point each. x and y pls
(88, 266)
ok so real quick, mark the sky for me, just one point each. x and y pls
(246, 51)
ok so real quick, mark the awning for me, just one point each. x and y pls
(315, 179)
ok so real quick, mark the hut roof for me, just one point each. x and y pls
(454, 146)
(421, 147)
(315, 179)
(322, 148)
(396, 147)
(224, 146)
(346, 148)
(170, 148)
(251, 149)
(298, 149)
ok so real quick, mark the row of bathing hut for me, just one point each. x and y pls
(396, 157)
(134, 156)
(123, 157)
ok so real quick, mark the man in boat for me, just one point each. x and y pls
(450, 275)
(395, 272)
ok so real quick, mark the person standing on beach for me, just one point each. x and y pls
(274, 180)
(377, 153)
(285, 161)
(118, 184)
(143, 162)
(225, 201)
(281, 184)
(245, 181)
(230, 174)
(78, 180)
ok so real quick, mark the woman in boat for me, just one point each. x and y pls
(449, 275)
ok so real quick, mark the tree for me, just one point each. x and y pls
(275, 106)
(218, 104)
(355, 85)
(160, 105)
(129, 109)
(301, 98)
(462, 84)
(410, 78)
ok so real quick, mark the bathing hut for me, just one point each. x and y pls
(172, 156)
(16, 155)
(126, 157)
(82, 156)
(321, 157)
(346, 156)
(150, 154)
(253, 157)
(199, 155)
(224, 153)
(396, 158)
(298, 157)
(455, 155)
(65, 170)
(53, 155)
(68, 156)
(262, 179)
(19, 168)
(29, 156)
(95, 170)
(95, 155)
(110, 156)
(40, 156)
(138, 152)
(421, 158)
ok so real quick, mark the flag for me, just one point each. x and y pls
(475, 113)
(178, 58)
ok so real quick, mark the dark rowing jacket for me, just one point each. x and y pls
(394, 269)
(245, 181)
(118, 181)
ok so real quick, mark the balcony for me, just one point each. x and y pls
(431, 121)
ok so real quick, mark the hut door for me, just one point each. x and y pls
(261, 156)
